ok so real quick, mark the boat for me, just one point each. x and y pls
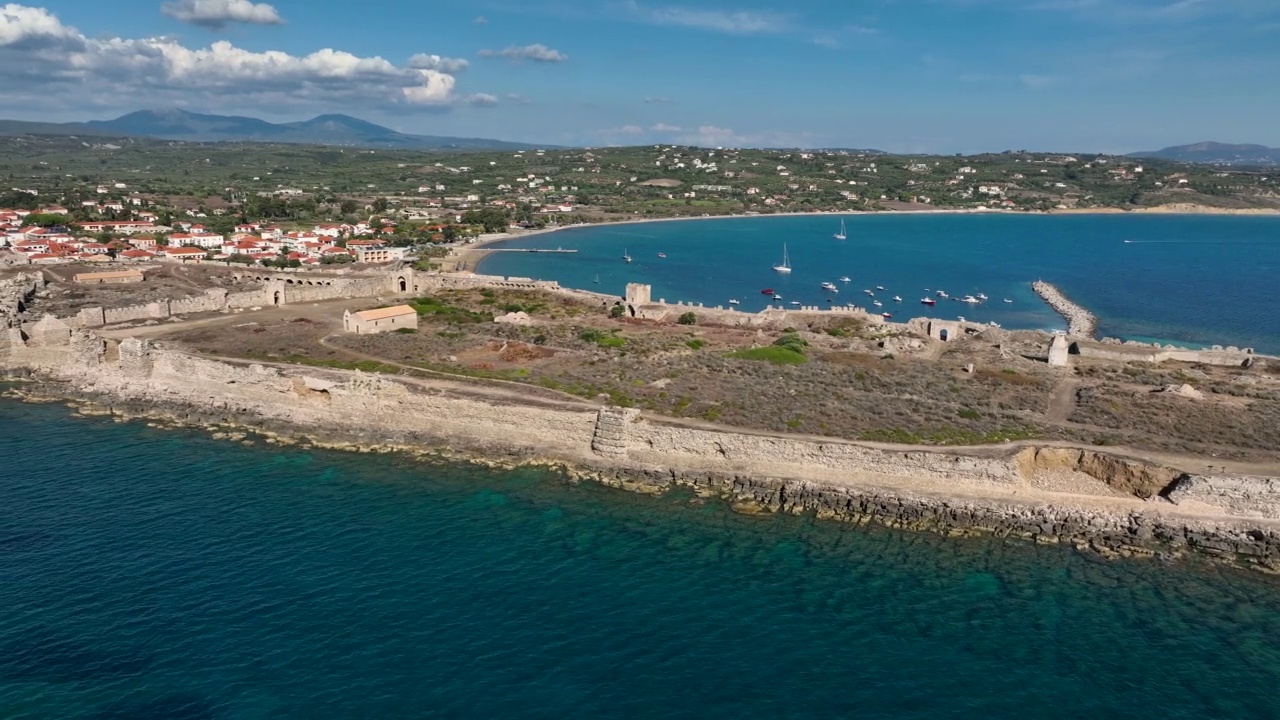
(795, 302)
(970, 299)
(982, 297)
(626, 256)
(897, 298)
(785, 267)
(886, 316)
(928, 301)
(830, 287)
(767, 291)
(960, 318)
(777, 298)
(1008, 300)
(942, 294)
(841, 235)
(877, 303)
(845, 278)
(597, 280)
(734, 302)
(880, 287)
(662, 255)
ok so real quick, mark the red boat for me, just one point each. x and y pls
(767, 291)
(886, 316)
(928, 301)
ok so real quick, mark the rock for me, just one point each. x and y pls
(515, 318)
(1183, 390)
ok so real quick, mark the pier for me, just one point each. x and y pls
(530, 250)
(1080, 322)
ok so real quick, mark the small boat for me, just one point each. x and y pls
(872, 294)
(597, 280)
(777, 298)
(767, 291)
(734, 302)
(795, 302)
(626, 256)
(942, 294)
(897, 298)
(886, 316)
(993, 324)
(982, 297)
(1008, 300)
(662, 255)
(928, 301)
(960, 318)
(841, 235)
(845, 278)
(970, 299)
(785, 267)
(830, 287)
(880, 287)
(877, 303)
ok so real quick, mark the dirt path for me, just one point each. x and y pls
(1063, 401)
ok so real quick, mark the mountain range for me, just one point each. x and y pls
(1213, 153)
(176, 124)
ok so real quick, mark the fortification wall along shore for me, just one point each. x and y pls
(985, 491)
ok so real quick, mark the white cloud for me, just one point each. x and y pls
(219, 13)
(733, 22)
(480, 20)
(713, 136)
(656, 100)
(46, 63)
(536, 52)
(630, 130)
(422, 61)
(665, 128)
(481, 100)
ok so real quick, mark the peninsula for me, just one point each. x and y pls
(927, 424)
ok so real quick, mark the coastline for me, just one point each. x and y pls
(1139, 509)
(474, 254)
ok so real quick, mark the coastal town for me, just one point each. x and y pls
(187, 202)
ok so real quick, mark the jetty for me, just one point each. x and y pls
(1080, 322)
(530, 250)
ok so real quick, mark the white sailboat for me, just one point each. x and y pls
(785, 267)
(626, 256)
(841, 235)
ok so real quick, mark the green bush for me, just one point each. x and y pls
(617, 311)
(970, 414)
(792, 342)
(775, 354)
(406, 331)
(688, 318)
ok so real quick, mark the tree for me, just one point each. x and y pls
(617, 311)
(688, 318)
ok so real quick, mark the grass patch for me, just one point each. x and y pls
(696, 344)
(450, 313)
(771, 353)
(947, 435)
(361, 365)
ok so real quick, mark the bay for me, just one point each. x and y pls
(1195, 280)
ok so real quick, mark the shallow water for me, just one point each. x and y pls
(1197, 280)
(161, 574)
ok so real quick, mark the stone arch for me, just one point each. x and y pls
(942, 334)
(631, 309)
(402, 284)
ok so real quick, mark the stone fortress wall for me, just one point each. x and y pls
(832, 478)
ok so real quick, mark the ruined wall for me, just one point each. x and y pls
(1138, 352)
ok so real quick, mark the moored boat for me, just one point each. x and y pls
(928, 301)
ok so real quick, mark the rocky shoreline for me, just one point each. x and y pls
(1104, 533)
(1080, 322)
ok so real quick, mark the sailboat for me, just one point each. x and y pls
(626, 256)
(597, 280)
(785, 267)
(840, 235)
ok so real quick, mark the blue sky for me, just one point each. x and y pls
(900, 75)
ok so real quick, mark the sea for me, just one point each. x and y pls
(149, 573)
(1191, 280)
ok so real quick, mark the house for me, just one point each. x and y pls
(367, 322)
(124, 227)
(367, 254)
(208, 241)
(182, 254)
(108, 278)
(134, 256)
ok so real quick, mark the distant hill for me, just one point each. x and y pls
(1212, 153)
(175, 124)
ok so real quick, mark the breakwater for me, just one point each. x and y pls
(1080, 322)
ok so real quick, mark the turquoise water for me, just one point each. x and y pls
(1197, 280)
(153, 574)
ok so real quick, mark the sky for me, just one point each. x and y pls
(935, 76)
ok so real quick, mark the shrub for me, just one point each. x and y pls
(406, 331)
(792, 342)
(696, 344)
(776, 354)
(617, 311)
(688, 318)
(970, 414)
